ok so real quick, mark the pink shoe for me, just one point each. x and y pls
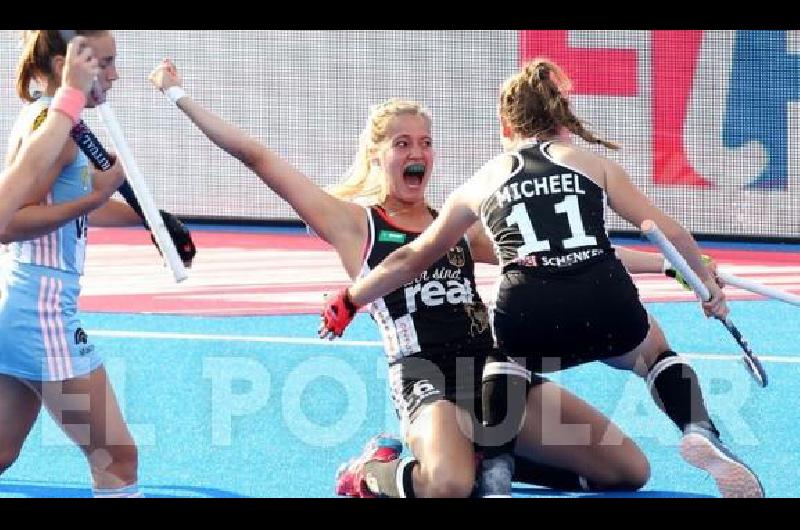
(350, 480)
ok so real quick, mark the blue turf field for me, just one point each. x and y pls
(258, 407)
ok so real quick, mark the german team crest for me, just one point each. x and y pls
(456, 256)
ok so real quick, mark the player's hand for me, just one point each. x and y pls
(165, 75)
(337, 313)
(105, 183)
(717, 305)
(81, 66)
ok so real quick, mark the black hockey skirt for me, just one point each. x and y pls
(564, 319)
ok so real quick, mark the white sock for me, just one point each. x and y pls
(130, 491)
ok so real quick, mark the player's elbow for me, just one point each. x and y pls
(251, 154)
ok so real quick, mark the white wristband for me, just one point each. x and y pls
(174, 93)
(666, 266)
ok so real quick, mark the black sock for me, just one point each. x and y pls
(382, 477)
(675, 389)
(504, 392)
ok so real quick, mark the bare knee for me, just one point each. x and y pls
(450, 486)
(442, 480)
(7, 457)
(638, 473)
(629, 475)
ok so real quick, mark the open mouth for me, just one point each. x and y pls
(413, 174)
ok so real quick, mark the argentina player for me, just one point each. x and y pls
(46, 357)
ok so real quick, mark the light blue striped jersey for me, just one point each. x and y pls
(65, 248)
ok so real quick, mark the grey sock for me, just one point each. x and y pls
(495, 473)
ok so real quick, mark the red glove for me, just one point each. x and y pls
(337, 314)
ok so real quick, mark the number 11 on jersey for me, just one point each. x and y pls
(519, 216)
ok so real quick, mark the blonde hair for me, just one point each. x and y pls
(39, 46)
(534, 102)
(363, 181)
